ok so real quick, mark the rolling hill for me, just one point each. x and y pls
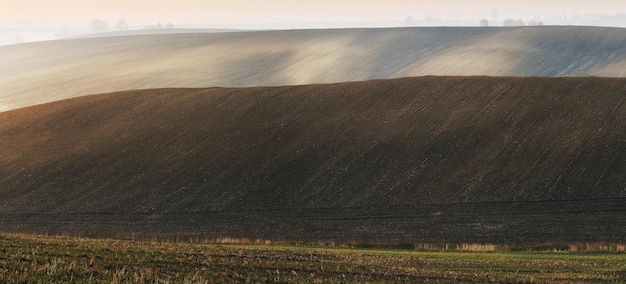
(432, 159)
(43, 72)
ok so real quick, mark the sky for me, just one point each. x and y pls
(27, 16)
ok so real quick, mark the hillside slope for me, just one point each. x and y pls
(36, 73)
(419, 159)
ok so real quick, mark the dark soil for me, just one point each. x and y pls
(430, 159)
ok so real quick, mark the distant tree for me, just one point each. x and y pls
(519, 23)
(65, 32)
(509, 23)
(121, 25)
(158, 26)
(409, 21)
(99, 26)
(428, 18)
(484, 23)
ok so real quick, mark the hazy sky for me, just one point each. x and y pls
(71, 11)
(18, 15)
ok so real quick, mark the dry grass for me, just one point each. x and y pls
(589, 247)
(32, 259)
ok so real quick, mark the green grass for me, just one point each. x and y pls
(32, 259)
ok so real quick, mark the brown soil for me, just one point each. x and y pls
(429, 159)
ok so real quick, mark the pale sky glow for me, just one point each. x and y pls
(16, 16)
(292, 10)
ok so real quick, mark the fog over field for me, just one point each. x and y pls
(36, 73)
(35, 20)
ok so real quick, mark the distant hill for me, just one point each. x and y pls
(454, 159)
(154, 31)
(42, 72)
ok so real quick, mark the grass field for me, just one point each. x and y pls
(32, 259)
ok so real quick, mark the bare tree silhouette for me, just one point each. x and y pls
(121, 25)
(509, 23)
(99, 26)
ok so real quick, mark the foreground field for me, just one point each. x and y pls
(26, 258)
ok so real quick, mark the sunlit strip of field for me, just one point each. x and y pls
(26, 258)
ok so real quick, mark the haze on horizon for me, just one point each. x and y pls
(32, 20)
